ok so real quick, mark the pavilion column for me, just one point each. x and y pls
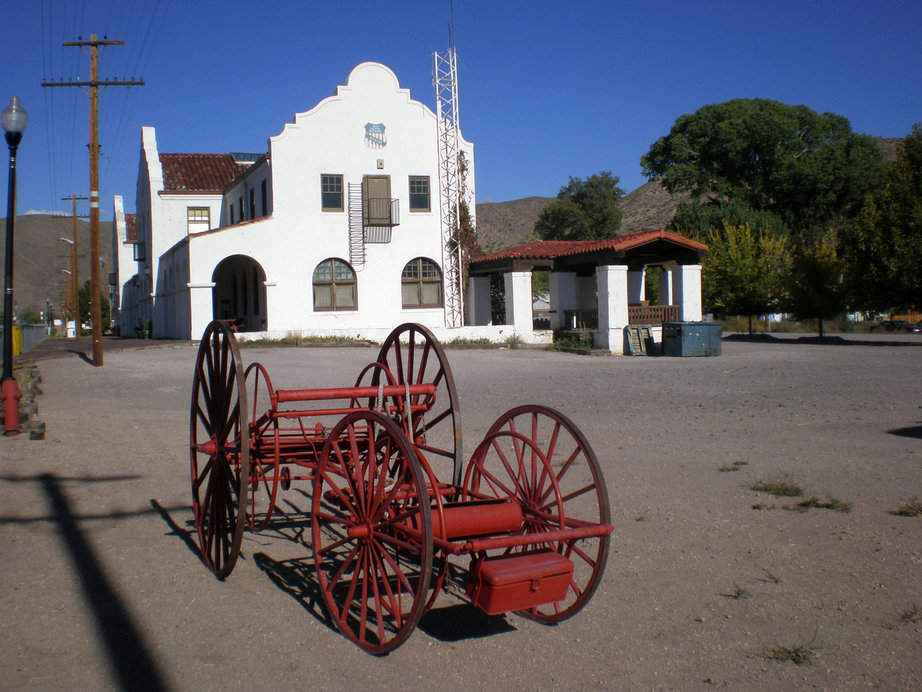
(686, 283)
(477, 301)
(563, 295)
(665, 287)
(612, 285)
(518, 300)
(635, 287)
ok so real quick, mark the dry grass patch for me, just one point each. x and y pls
(829, 503)
(911, 507)
(910, 615)
(735, 466)
(800, 654)
(780, 487)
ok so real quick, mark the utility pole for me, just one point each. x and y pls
(94, 43)
(74, 296)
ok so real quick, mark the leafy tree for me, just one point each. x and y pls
(83, 296)
(814, 285)
(30, 317)
(540, 283)
(583, 210)
(885, 253)
(698, 221)
(743, 272)
(804, 167)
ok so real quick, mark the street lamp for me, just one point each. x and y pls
(74, 296)
(13, 119)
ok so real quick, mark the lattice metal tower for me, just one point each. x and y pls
(445, 79)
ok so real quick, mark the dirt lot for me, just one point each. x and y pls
(102, 588)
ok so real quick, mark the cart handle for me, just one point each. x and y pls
(401, 390)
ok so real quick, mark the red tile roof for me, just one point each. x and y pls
(198, 172)
(551, 249)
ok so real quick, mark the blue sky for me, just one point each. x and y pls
(548, 90)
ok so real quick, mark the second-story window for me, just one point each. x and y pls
(262, 188)
(198, 219)
(419, 193)
(252, 204)
(331, 192)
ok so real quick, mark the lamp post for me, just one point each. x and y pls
(13, 119)
(74, 295)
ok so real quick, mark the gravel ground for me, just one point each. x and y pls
(102, 588)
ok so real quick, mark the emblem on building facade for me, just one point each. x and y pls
(374, 135)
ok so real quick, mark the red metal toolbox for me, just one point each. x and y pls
(519, 581)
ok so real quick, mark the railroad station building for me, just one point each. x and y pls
(336, 229)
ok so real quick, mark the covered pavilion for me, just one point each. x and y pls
(595, 285)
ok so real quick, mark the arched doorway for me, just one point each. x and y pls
(239, 293)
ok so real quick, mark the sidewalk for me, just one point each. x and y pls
(59, 347)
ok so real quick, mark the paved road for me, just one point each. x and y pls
(102, 587)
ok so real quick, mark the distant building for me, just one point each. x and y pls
(336, 229)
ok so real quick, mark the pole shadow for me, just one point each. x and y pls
(128, 654)
(913, 431)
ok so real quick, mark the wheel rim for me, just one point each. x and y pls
(374, 574)
(583, 493)
(219, 489)
(264, 462)
(414, 356)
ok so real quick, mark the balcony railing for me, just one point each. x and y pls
(380, 211)
(653, 314)
(636, 314)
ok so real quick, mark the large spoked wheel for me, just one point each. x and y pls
(414, 356)
(218, 449)
(264, 459)
(372, 537)
(577, 477)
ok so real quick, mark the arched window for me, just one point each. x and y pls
(421, 284)
(334, 286)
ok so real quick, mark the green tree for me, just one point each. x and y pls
(583, 210)
(698, 221)
(885, 253)
(814, 285)
(30, 317)
(83, 297)
(806, 168)
(743, 272)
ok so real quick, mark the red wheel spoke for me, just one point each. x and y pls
(354, 557)
(566, 466)
(424, 361)
(390, 601)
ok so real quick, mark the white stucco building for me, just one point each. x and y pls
(335, 230)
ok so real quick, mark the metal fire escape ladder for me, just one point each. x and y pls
(356, 227)
(445, 80)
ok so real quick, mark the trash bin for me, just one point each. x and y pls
(686, 339)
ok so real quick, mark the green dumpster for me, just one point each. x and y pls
(687, 339)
